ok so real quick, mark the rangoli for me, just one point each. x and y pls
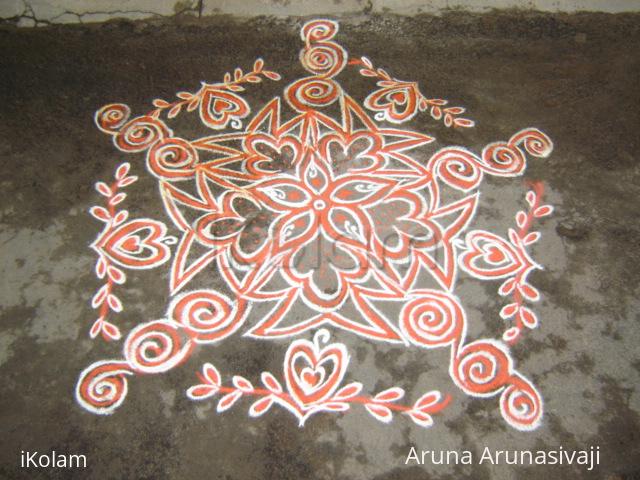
(317, 212)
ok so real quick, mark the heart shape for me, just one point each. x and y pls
(131, 244)
(137, 244)
(358, 152)
(489, 256)
(313, 377)
(313, 373)
(397, 103)
(494, 255)
(219, 107)
(268, 154)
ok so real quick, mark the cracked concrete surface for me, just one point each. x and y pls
(573, 76)
(39, 13)
(44, 12)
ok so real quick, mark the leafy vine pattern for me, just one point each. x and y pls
(398, 101)
(121, 244)
(489, 256)
(216, 106)
(104, 299)
(313, 376)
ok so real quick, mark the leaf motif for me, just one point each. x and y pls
(122, 171)
(184, 95)
(127, 181)
(543, 211)
(100, 213)
(532, 237)
(529, 319)
(96, 327)
(531, 198)
(237, 74)
(521, 219)
(448, 120)
(365, 72)
(100, 296)
(464, 123)
(513, 236)
(175, 110)
(227, 77)
(193, 104)
(390, 395)
(257, 66)
(200, 392)
(422, 419)
(454, 110)
(511, 334)
(335, 406)
(271, 75)
(507, 287)
(261, 406)
(114, 303)
(103, 189)
(428, 400)
(348, 391)
(111, 331)
(117, 275)
(509, 311)
(211, 374)
(436, 113)
(116, 199)
(160, 103)
(383, 73)
(367, 62)
(120, 217)
(380, 412)
(242, 383)
(101, 267)
(529, 292)
(271, 383)
(228, 400)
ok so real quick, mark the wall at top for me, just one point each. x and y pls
(31, 12)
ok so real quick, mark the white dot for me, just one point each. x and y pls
(319, 204)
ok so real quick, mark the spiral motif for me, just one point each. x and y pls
(457, 167)
(481, 368)
(534, 141)
(313, 92)
(140, 133)
(319, 30)
(111, 117)
(521, 405)
(102, 387)
(155, 347)
(206, 314)
(326, 59)
(172, 158)
(503, 159)
(434, 319)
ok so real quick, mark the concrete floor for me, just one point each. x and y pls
(574, 77)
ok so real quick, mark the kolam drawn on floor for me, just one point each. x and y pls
(326, 207)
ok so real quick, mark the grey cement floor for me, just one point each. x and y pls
(574, 77)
